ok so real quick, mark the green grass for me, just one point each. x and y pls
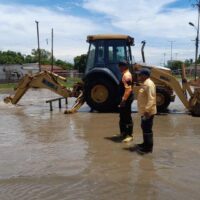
(187, 77)
(70, 82)
(7, 85)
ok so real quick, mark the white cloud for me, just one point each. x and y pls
(147, 19)
(143, 19)
(18, 30)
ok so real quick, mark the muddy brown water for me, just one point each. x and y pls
(51, 156)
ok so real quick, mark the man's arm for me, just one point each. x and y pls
(127, 93)
(128, 90)
(150, 91)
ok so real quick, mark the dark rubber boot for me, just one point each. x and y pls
(147, 146)
(142, 144)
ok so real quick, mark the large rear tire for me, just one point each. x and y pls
(101, 94)
(195, 110)
(162, 99)
(194, 104)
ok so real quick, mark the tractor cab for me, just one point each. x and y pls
(102, 75)
(105, 51)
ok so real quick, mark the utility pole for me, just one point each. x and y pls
(164, 59)
(171, 51)
(38, 40)
(197, 39)
(51, 49)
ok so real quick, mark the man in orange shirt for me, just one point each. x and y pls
(126, 97)
(146, 100)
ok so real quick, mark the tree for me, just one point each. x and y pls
(29, 59)
(80, 63)
(175, 65)
(188, 62)
(64, 65)
(11, 57)
(45, 56)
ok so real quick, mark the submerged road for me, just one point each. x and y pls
(51, 156)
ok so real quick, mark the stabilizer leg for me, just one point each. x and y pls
(78, 103)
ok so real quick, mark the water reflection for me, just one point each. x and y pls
(145, 182)
(48, 155)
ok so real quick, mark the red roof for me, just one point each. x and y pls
(48, 67)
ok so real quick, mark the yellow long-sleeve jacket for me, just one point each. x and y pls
(146, 98)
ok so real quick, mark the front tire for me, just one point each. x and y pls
(162, 99)
(101, 94)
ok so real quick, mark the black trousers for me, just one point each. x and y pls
(147, 124)
(125, 119)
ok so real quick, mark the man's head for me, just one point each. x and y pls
(144, 74)
(123, 65)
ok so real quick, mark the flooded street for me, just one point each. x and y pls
(51, 156)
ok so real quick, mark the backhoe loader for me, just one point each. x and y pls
(99, 88)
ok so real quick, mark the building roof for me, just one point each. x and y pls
(192, 66)
(48, 67)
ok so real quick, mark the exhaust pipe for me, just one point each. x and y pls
(142, 50)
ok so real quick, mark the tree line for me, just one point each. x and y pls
(177, 64)
(11, 57)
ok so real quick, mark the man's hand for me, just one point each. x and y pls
(147, 115)
(122, 104)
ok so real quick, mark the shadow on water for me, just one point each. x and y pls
(117, 139)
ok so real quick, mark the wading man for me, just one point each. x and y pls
(147, 109)
(126, 97)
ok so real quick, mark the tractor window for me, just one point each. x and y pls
(116, 51)
(110, 54)
(101, 53)
(91, 57)
(120, 53)
(128, 53)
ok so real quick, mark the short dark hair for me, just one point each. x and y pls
(145, 72)
(123, 63)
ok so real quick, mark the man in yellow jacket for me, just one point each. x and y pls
(147, 109)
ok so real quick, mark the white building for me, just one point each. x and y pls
(14, 72)
(191, 70)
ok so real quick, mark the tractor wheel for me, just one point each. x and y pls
(162, 99)
(101, 95)
(195, 110)
(194, 104)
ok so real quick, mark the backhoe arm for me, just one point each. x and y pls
(44, 79)
(172, 82)
(21, 89)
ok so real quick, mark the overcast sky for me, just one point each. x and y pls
(157, 21)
